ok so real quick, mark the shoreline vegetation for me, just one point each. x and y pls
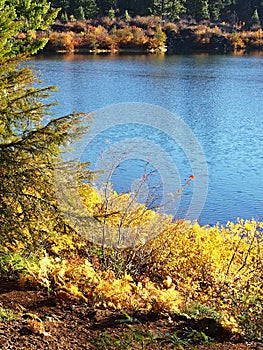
(150, 34)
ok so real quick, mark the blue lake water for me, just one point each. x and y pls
(219, 98)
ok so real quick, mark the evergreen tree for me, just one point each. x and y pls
(198, 9)
(126, 16)
(255, 21)
(32, 16)
(176, 8)
(62, 4)
(202, 10)
(28, 147)
(169, 9)
(111, 14)
(64, 17)
(88, 8)
(79, 14)
(8, 29)
(215, 7)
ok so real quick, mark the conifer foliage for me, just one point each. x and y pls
(28, 17)
(223, 10)
(28, 146)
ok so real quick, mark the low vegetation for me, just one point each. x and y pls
(6, 315)
(108, 35)
(183, 268)
(151, 34)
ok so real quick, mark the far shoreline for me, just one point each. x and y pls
(151, 36)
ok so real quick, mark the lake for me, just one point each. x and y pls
(218, 98)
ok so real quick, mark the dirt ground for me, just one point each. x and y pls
(46, 322)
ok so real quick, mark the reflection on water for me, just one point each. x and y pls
(219, 97)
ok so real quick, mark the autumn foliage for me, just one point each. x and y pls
(106, 37)
(177, 268)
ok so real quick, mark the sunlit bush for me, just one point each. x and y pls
(146, 21)
(142, 260)
(218, 266)
(62, 41)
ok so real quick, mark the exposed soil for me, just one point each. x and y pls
(45, 322)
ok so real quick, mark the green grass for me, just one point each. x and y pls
(6, 315)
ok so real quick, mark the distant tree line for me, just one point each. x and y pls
(249, 11)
